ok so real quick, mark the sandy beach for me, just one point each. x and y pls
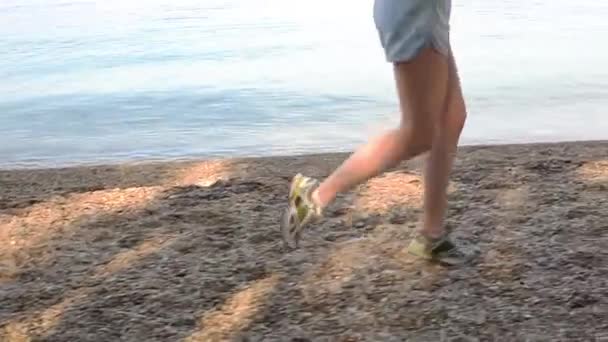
(190, 251)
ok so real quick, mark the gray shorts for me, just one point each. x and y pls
(408, 26)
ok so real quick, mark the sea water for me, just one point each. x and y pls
(111, 81)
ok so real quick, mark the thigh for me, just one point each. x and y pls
(422, 86)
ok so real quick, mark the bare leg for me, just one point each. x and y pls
(422, 87)
(433, 115)
(441, 157)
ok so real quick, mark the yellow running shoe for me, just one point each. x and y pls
(301, 209)
(441, 250)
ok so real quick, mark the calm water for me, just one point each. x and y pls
(100, 81)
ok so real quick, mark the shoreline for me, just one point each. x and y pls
(32, 166)
(191, 251)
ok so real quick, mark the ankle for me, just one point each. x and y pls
(432, 234)
(322, 197)
(317, 200)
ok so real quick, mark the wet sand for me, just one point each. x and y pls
(190, 251)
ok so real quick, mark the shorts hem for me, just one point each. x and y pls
(413, 50)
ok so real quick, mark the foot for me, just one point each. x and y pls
(442, 250)
(301, 209)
